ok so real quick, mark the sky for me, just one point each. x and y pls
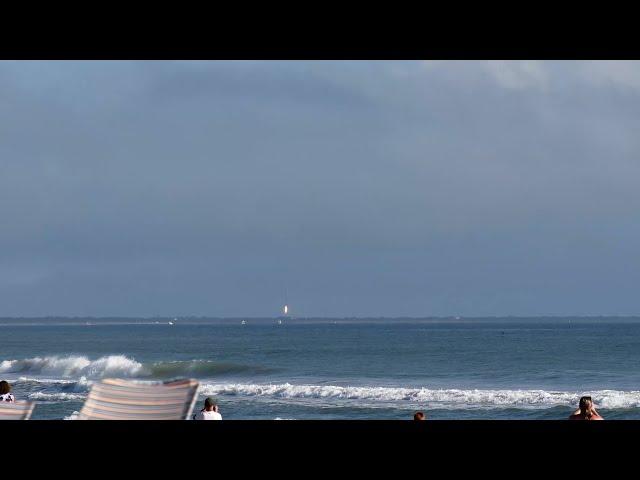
(389, 188)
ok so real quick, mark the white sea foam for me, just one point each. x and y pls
(69, 378)
(56, 397)
(436, 398)
(81, 384)
(53, 381)
(74, 366)
(120, 366)
(74, 416)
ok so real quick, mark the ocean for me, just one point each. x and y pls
(451, 368)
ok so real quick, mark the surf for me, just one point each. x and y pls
(433, 398)
(123, 366)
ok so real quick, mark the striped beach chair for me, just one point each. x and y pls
(114, 399)
(16, 410)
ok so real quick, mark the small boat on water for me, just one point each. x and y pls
(243, 322)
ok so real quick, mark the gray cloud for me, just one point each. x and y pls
(365, 188)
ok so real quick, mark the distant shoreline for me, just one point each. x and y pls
(176, 321)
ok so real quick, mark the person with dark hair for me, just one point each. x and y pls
(586, 411)
(5, 392)
(419, 416)
(209, 412)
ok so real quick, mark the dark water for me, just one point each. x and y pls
(466, 369)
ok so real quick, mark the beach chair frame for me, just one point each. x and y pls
(117, 399)
(20, 410)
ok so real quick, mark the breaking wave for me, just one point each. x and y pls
(69, 378)
(74, 366)
(435, 398)
(121, 366)
(47, 385)
(56, 397)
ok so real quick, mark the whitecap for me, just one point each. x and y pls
(434, 398)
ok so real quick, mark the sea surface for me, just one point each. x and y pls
(453, 368)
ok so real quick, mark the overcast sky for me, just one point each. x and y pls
(363, 188)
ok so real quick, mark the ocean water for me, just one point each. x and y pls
(508, 368)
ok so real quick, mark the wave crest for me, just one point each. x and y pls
(56, 397)
(435, 398)
(122, 366)
(200, 368)
(74, 366)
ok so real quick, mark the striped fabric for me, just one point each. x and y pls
(16, 410)
(114, 399)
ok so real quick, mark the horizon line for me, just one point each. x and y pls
(315, 317)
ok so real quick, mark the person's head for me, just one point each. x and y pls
(419, 416)
(4, 387)
(585, 405)
(209, 404)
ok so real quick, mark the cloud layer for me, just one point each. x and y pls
(364, 188)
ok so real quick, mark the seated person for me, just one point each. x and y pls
(5, 392)
(419, 416)
(586, 411)
(209, 412)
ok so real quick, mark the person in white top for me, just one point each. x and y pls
(5, 392)
(209, 412)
